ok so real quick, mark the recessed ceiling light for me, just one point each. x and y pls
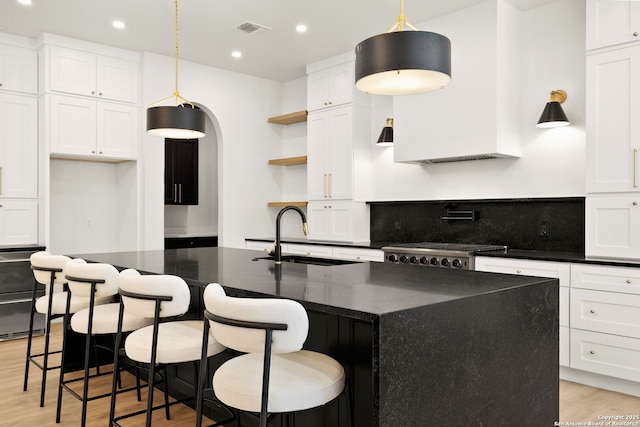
(118, 24)
(25, 2)
(236, 54)
(301, 28)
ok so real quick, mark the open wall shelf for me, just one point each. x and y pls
(289, 119)
(289, 161)
(283, 204)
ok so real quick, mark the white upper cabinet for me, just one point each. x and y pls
(81, 127)
(613, 128)
(18, 69)
(81, 73)
(330, 87)
(18, 146)
(612, 22)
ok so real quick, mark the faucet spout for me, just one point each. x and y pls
(277, 256)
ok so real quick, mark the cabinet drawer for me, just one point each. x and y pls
(606, 312)
(310, 250)
(605, 354)
(359, 254)
(604, 278)
(556, 270)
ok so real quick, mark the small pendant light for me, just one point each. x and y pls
(386, 136)
(553, 116)
(403, 62)
(183, 120)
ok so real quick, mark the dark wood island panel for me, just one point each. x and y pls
(420, 346)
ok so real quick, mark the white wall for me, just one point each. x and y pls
(552, 162)
(238, 106)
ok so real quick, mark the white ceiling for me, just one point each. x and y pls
(207, 28)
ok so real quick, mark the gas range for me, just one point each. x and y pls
(440, 255)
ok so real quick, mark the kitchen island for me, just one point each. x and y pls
(420, 346)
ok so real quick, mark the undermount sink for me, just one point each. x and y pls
(299, 259)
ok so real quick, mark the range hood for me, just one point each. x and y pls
(477, 116)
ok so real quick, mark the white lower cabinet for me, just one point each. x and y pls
(605, 320)
(310, 250)
(18, 222)
(556, 270)
(605, 354)
(358, 254)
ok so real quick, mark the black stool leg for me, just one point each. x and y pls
(45, 364)
(33, 312)
(64, 342)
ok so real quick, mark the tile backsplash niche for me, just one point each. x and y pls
(543, 224)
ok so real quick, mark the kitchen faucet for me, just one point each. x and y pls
(277, 256)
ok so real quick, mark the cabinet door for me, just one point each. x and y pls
(330, 87)
(613, 130)
(18, 146)
(72, 125)
(18, 69)
(117, 79)
(332, 221)
(612, 22)
(72, 71)
(18, 222)
(317, 137)
(117, 130)
(612, 227)
(181, 172)
(330, 154)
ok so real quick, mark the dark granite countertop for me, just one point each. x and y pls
(360, 290)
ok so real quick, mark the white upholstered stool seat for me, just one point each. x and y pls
(275, 375)
(59, 303)
(178, 342)
(105, 320)
(298, 381)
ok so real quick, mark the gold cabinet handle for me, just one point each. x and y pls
(629, 281)
(592, 352)
(330, 185)
(324, 185)
(635, 161)
(635, 34)
(592, 311)
(518, 271)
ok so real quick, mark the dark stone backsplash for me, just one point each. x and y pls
(516, 223)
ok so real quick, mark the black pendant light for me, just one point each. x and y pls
(403, 62)
(386, 136)
(183, 120)
(553, 116)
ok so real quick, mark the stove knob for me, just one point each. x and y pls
(404, 259)
(413, 260)
(424, 260)
(444, 262)
(393, 258)
(434, 261)
(456, 263)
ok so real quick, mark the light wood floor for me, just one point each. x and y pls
(577, 402)
(18, 408)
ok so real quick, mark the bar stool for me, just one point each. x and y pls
(275, 375)
(167, 341)
(99, 283)
(48, 271)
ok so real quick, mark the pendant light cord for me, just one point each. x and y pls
(179, 100)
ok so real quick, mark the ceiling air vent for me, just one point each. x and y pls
(252, 27)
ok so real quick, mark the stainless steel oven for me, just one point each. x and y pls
(437, 255)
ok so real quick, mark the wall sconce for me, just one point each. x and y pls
(386, 136)
(553, 116)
